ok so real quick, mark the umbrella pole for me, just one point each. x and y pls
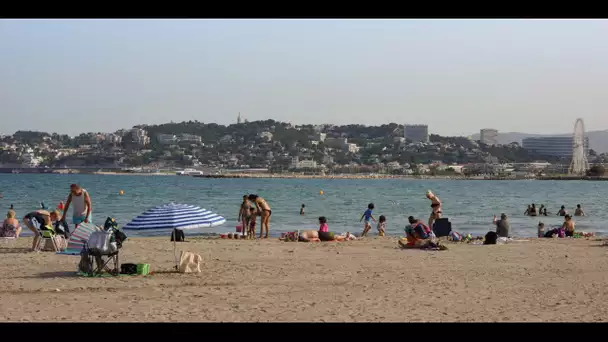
(175, 249)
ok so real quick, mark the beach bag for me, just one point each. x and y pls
(239, 228)
(128, 269)
(99, 242)
(190, 263)
(490, 238)
(178, 235)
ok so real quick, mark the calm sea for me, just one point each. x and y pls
(468, 204)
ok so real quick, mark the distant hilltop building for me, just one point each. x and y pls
(489, 136)
(558, 146)
(140, 136)
(416, 133)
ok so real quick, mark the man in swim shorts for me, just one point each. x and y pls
(81, 202)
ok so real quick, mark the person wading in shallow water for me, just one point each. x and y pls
(264, 212)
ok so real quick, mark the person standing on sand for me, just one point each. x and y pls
(81, 201)
(244, 215)
(579, 211)
(264, 211)
(436, 207)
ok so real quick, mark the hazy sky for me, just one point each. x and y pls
(457, 76)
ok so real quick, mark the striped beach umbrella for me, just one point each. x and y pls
(175, 216)
(79, 237)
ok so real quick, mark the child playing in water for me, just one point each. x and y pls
(381, 225)
(367, 215)
(251, 223)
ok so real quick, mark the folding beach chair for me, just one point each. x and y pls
(8, 240)
(44, 237)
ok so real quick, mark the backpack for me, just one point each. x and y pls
(490, 238)
(177, 235)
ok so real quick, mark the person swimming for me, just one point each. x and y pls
(435, 206)
(579, 211)
(562, 211)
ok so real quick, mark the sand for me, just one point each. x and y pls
(356, 281)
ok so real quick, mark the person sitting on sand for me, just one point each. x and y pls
(502, 226)
(10, 227)
(568, 226)
(541, 230)
(302, 209)
(579, 211)
(562, 211)
(435, 206)
(417, 234)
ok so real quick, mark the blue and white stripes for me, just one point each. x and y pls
(171, 216)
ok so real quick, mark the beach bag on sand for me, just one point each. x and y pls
(190, 262)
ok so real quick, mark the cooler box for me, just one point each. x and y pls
(143, 269)
(442, 227)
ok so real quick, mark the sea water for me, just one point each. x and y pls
(469, 205)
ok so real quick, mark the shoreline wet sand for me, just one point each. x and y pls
(365, 280)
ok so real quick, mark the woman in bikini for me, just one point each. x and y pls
(436, 207)
(264, 211)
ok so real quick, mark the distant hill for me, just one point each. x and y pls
(598, 140)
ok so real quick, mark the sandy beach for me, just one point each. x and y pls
(356, 281)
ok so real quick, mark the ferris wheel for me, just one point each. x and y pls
(579, 164)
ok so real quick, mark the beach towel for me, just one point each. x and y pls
(190, 262)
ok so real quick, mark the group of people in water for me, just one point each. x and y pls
(52, 222)
(542, 211)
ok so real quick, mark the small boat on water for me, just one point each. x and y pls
(189, 172)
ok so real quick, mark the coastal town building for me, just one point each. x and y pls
(557, 146)
(416, 133)
(140, 136)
